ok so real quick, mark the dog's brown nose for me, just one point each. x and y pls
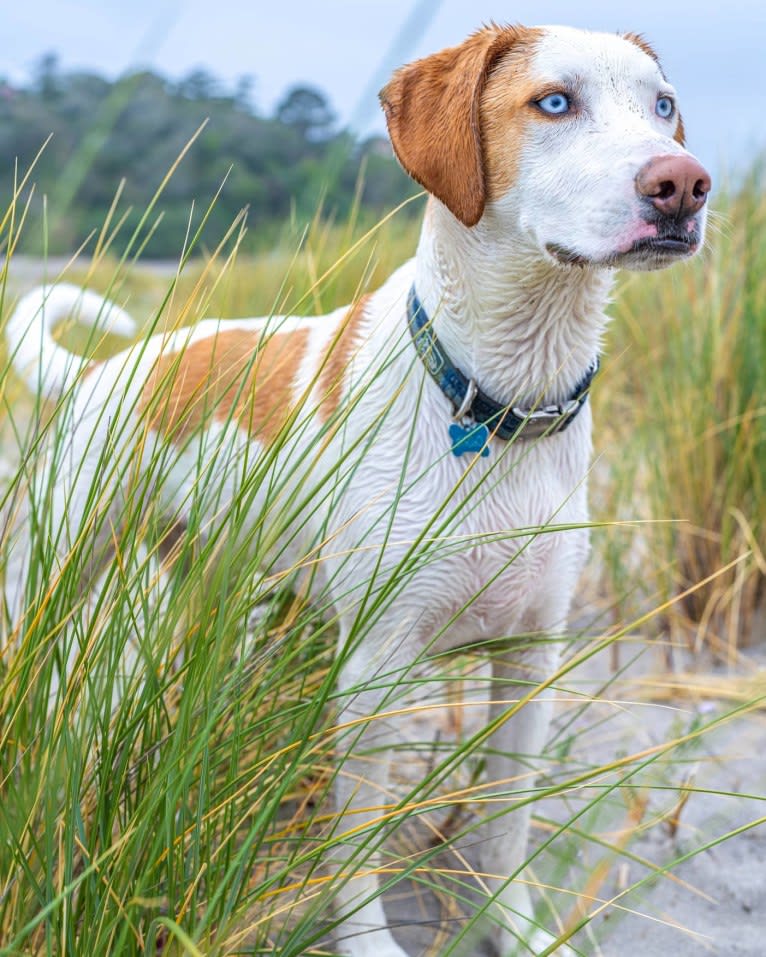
(676, 186)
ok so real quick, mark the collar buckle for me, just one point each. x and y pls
(464, 411)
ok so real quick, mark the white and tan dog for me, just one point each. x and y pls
(553, 157)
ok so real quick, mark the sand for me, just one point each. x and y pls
(715, 902)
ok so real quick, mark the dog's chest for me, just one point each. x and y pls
(513, 569)
(479, 545)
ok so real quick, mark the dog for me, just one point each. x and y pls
(552, 158)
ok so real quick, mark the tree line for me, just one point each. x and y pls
(100, 133)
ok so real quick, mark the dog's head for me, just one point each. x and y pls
(575, 136)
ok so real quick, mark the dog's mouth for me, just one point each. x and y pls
(648, 251)
(670, 244)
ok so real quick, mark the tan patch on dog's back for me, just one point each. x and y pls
(339, 352)
(235, 374)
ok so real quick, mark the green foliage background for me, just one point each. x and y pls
(100, 133)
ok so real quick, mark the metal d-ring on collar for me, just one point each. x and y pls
(470, 403)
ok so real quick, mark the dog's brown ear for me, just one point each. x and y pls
(432, 111)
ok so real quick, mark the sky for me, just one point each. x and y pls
(713, 52)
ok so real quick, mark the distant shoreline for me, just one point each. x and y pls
(29, 270)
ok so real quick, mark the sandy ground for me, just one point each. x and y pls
(712, 903)
(721, 909)
(28, 271)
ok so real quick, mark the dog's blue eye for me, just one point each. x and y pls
(555, 104)
(665, 107)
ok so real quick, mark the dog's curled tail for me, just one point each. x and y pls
(47, 367)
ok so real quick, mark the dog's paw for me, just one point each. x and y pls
(538, 942)
(359, 950)
(542, 940)
(375, 944)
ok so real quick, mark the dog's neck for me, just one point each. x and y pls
(525, 328)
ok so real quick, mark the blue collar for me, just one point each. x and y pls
(483, 415)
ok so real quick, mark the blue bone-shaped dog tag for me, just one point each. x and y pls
(469, 438)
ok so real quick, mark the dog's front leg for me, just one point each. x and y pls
(363, 799)
(513, 760)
